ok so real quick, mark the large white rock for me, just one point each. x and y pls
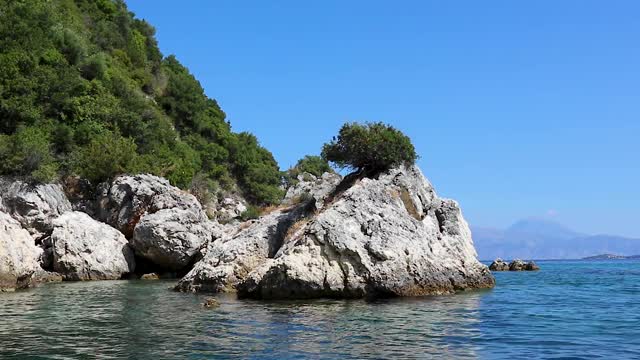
(241, 249)
(163, 223)
(390, 236)
(85, 249)
(129, 198)
(34, 206)
(19, 257)
(171, 238)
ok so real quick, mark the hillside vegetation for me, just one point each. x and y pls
(84, 90)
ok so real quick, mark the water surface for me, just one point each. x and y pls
(570, 309)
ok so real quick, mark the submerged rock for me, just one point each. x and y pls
(499, 265)
(34, 206)
(211, 303)
(85, 249)
(239, 251)
(19, 257)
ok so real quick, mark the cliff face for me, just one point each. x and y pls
(390, 236)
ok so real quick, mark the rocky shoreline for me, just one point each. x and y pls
(390, 235)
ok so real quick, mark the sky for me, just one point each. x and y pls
(517, 109)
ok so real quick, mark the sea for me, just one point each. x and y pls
(568, 310)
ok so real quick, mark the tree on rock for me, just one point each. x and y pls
(372, 148)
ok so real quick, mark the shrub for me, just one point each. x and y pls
(28, 150)
(372, 147)
(314, 165)
(252, 212)
(106, 156)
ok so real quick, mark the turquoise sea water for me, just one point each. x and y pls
(569, 310)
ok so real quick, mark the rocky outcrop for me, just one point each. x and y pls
(390, 236)
(309, 186)
(164, 224)
(129, 198)
(85, 249)
(19, 257)
(499, 265)
(515, 265)
(239, 251)
(171, 238)
(34, 206)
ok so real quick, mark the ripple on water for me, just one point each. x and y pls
(567, 310)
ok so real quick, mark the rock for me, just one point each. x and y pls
(499, 265)
(531, 266)
(129, 198)
(171, 238)
(85, 249)
(239, 251)
(165, 225)
(390, 236)
(34, 206)
(229, 209)
(19, 257)
(152, 276)
(211, 303)
(309, 186)
(517, 265)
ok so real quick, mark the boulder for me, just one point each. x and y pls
(240, 250)
(517, 265)
(19, 257)
(531, 266)
(85, 249)
(171, 238)
(34, 206)
(499, 265)
(129, 198)
(309, 186)
(384, 236)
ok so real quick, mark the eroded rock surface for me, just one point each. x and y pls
(85, 249)
(19, 257)
(390, 236)
(309, 186)
(240, 250)
(171, 238)
(34, 206)
(123, 204)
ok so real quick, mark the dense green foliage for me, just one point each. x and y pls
(85, 90)
(371, 147)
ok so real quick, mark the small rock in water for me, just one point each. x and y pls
(152, 276)
(211, 303)
(499, 265)
(531, 266)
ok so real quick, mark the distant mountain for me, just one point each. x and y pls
(543, 239)
(612, 257)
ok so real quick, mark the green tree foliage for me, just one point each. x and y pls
(372, 147)
(85, 90)
(314, 165)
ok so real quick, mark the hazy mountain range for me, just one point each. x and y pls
(544, 239)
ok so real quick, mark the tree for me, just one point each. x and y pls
(314, 165)
(372, 148)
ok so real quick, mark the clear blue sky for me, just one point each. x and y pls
(518, 108)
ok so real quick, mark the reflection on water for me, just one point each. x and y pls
(145, 320)
(569, 309)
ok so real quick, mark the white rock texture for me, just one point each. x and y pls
(85, 249)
